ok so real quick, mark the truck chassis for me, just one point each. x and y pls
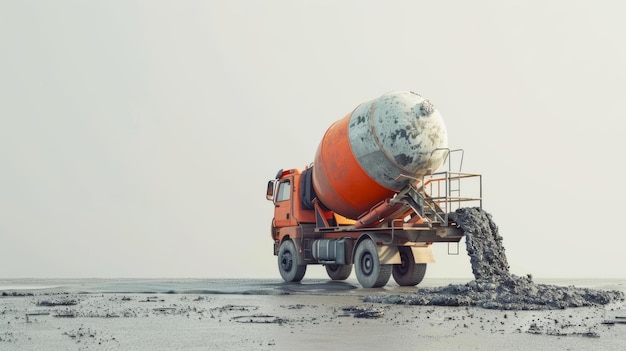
(393, 238)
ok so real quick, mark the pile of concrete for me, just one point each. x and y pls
(494, 287)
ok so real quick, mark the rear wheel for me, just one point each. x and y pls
(369, 272)
(408, 273)
(288, 265)
(339, 271)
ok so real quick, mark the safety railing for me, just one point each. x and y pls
(445, 192)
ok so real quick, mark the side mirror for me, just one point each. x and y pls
(270, 190)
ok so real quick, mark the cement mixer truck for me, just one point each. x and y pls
(374, 198)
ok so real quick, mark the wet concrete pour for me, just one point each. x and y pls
(494, 287)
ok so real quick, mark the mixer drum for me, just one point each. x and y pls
(376, 150)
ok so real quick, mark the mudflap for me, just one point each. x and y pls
(423, 254)
(388, 254)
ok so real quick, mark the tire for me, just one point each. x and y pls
(339, 271)
(408, 273)
(369, 272)
(288, 264)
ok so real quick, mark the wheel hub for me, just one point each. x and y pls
(286, 261)
(367, 264)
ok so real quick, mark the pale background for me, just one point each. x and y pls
(137, 137)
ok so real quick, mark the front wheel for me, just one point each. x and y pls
(408, 273)
(369, 272)
(339, 271)
(288, 265)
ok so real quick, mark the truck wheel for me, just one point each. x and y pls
(288, 265)
(369, 272)
(339, 271)
(408, 273)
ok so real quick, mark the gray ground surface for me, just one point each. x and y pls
(307, 320)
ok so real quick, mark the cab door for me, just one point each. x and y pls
(283, 203)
